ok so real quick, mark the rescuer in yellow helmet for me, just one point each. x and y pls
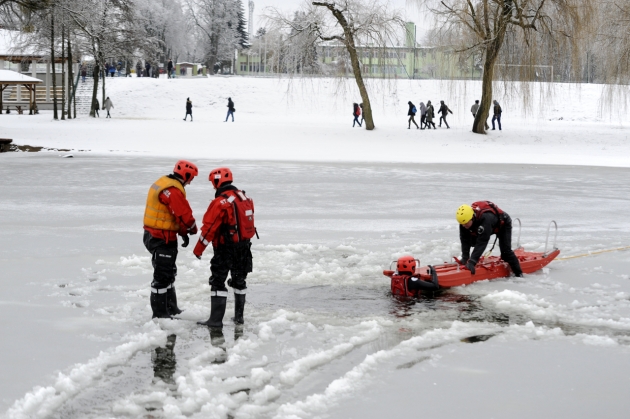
(479, 221)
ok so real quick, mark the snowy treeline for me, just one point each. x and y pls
(112, 31)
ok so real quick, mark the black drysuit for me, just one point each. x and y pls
(478, 237)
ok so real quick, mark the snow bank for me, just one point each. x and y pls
(310, 120)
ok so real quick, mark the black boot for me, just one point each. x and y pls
(239, 308)
(172, 301)
(217, 310)
(159, 306)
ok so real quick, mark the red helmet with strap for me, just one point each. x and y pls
(186, 170)
(220, 176)
(406, 264)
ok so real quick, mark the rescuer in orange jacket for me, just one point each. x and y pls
(167, 215)
(229, 225)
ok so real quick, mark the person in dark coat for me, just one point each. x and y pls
(356, 112)
(188, 109)
(139, 69)
(444, 111)
(147, 67)
(479, 221)
(497, 114)
(83, 72)
(430, 115)
(169, 68)
(231, 110)
(412, 114)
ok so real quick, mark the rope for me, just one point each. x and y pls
(598, 252)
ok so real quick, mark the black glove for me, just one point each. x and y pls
(471, 267)
(185, 240)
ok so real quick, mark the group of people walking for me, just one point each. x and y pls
(427, 114)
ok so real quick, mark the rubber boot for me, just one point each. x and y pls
(217, 311)
(159, 306)
(172, 301)
(239, 308)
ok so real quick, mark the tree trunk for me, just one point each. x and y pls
(94, 89)
(356, 65)
(52, 59)
(491, 55)
(70, 81)
(63, 73)
(103, 87)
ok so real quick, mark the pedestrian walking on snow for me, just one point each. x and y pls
(188, 109)
(412, 114)
(423, 115)
(108, 105)
(228, 225)
(430, 116)
(83, 73)
(139, 69)
(169, 68)
(147, 67)
(231, 110)
(112, 70)
(356, 112)
(444, 111)
(167, 215)
(497, 114)
(475, 108)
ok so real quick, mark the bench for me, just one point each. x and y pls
(4, 144)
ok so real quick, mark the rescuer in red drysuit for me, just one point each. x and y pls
(406, 267)
(167, 215)
(229, 225)
(477, 223)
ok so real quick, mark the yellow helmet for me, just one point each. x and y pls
(464, 214)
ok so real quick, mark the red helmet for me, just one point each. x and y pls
(220, 176)
(406, 264)
(186, 170)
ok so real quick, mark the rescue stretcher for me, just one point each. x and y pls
(454, 274)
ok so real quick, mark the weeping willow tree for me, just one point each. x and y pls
(609, 57)
(350, 24)
(538, 31)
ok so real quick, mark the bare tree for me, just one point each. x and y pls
(352, 23)
(480, 26)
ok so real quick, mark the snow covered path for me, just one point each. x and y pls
(310, 120)
(323, 338)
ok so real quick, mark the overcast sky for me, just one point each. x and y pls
(410, 13)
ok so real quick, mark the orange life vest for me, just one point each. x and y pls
(156, 214)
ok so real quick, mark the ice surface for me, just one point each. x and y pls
(323, 337)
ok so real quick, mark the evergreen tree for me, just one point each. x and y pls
(241, 29)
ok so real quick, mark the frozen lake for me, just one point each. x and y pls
(323, 337)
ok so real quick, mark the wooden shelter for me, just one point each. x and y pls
(11, 78)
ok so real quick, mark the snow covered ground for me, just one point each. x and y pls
(323, 337)
(311, 119)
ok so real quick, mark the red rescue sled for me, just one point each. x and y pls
(492, 267)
